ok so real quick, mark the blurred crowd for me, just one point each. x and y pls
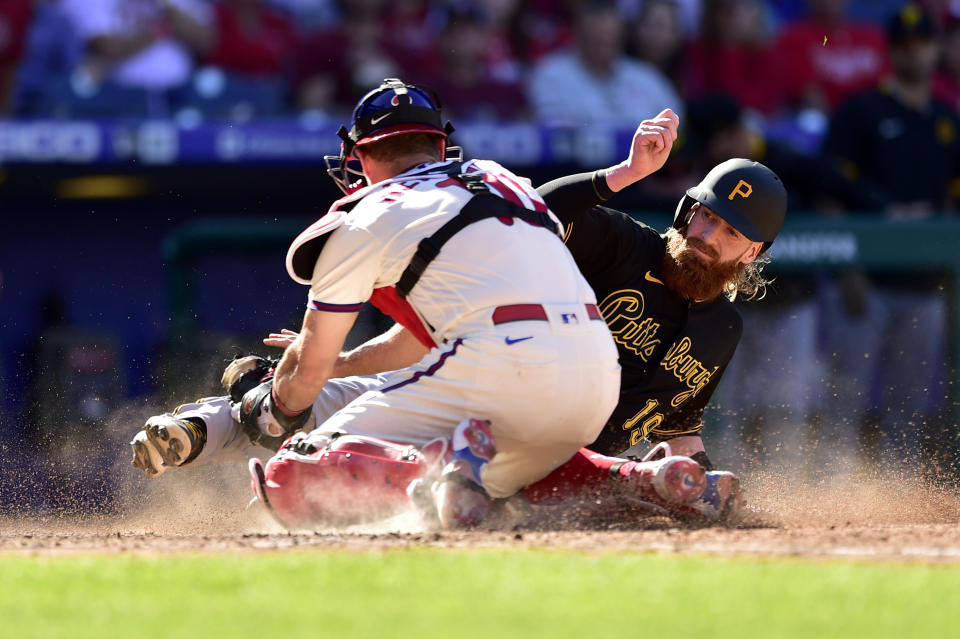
(557, 61)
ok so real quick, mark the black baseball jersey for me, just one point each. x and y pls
(672, 351)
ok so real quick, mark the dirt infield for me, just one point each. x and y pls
(859, 518)
(918, 542)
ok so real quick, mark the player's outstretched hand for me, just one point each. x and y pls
(650, 149)
(283, 339)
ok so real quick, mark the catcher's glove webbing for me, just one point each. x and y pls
(245, 373)
(242, 375)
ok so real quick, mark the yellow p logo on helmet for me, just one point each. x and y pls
(759, 210)
(743, 189)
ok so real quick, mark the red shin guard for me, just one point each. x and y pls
(352, 479)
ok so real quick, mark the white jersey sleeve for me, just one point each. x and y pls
(346, 270)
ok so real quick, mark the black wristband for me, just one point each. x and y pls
(600, 187)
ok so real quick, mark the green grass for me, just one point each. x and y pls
(425, 593)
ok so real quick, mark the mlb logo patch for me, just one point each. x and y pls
(569, 318)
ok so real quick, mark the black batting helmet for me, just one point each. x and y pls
(746, 194)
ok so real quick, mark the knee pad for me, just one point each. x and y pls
(347, 480)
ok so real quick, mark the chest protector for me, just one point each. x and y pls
(484, 204)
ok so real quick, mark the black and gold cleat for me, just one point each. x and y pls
(166, 441)
(142, 458)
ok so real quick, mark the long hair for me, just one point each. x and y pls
(750, 281)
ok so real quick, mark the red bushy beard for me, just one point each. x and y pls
(689, 275)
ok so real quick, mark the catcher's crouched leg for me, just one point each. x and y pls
(346, 480)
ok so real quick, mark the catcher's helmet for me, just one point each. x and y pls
(746, 194)
(393, 108)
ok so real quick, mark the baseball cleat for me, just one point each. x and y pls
(461, 502)
(722, 499)
(458, 495)
(667, 486)
(146, 457)
(166, 441)
(680, 480)
(667, 481)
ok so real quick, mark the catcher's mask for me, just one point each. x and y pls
(746, 194)
(393, 108)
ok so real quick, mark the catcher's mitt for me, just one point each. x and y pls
(245, 373)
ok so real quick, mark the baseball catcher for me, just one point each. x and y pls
(499, 349)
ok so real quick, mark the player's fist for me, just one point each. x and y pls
(652, 142)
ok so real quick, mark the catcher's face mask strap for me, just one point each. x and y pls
(346, 149)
